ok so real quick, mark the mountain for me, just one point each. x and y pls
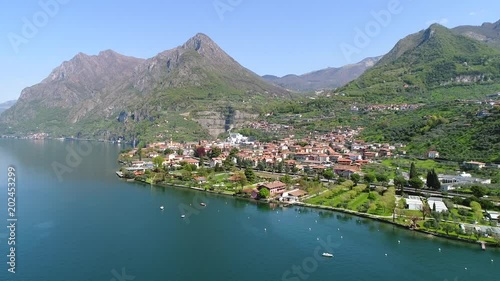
(112, 95)
(328, 78)
(425, 61)
(488, 33)
(6, 105)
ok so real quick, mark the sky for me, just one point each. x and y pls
(268, 37)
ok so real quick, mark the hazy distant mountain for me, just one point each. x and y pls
(109, 93)
(488, 33)
(328, 78)
(6, 105)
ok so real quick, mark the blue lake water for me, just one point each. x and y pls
(86, 224)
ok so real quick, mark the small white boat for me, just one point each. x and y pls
(161, 208)
(183, 216)
(327, 255)
(203, 204)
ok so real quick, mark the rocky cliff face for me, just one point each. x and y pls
(217, 122)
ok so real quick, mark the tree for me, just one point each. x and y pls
(214, 152)
(218, 168)
(401, 205)
(168, 151)
(264, 193)
(416, 183)
(250, 175)
(355, 178)
(476, 210)
(433, 180)
(286, 179)
(381, 177)
(426, 210)
(369, 178)
(479, 191)
(447, 228)
(242, 180)
(158, 161)
(328, 174)
(141, 145)
(180, 151)
(228, 164)
(200, 152)
(186, 175)
(413, 171)
(139, 151)
(279, 167)
(400, 182)
(233, 152)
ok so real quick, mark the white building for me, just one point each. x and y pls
(414, 203)
(236, 138)
(440, 206)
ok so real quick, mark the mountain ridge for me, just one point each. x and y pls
(91, 92)
(326, 78)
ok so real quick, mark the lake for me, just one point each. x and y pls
(78, 221)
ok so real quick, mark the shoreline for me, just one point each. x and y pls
(329, 208)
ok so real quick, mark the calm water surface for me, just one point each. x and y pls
(86, 224)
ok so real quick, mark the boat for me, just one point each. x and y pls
(183, 216)
(203, 204)
(483, 246)
(327, 255)
(161, 208)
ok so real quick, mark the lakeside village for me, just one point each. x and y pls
(333, 171)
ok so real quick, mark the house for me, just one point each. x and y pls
(414, 203)
(275, 187)
(292, 195)
(370, 154)
(200, 180)
(345, 170)
(251, 192)
(473, 165)
(493, 215)
(192, 161)
(215, 161)
(438, 202)
(432, 154)
(344, 161)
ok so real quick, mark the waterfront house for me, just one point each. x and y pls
(275, 187)
(292, 195)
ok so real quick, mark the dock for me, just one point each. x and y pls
(119, 174)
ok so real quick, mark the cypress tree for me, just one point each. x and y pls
(413, 171)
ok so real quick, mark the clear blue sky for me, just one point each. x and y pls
(268, 37)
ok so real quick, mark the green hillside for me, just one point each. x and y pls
(426, 61)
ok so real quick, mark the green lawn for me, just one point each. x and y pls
(358, 201)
